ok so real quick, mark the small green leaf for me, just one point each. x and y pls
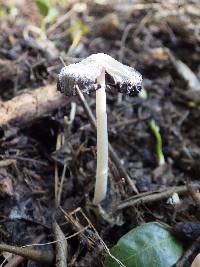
(149, 245)
(43, 6)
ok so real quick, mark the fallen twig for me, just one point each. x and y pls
(61, 246)
(30, 105)
(16, 259)
(150, 197)
(59, 22)
(32, 254)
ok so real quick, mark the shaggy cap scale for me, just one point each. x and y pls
(84, 74)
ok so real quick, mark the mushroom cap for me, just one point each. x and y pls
(85, 75)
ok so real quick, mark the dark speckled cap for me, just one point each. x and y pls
(84, 74)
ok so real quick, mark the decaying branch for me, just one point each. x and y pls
(30, 105)
(150, 197)
(29, 253)
(61, 246)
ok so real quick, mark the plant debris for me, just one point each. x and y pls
(48, 144)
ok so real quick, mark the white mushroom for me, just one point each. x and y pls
(95, 73)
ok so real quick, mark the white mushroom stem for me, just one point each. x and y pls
(102, 143)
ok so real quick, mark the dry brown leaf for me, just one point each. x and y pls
(6, 186)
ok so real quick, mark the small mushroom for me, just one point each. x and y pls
(95, 73)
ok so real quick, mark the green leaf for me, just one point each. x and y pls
(43, 6)
(150, 244)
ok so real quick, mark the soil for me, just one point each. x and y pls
(32, 155)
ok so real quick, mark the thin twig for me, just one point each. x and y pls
(93, 228)
(112, 152)
(154, 196)
(56, 176)
(60, 189)
(123, 40)
(59, 22)
(78, 227)
(56, 241)
(33, 161)
(101, 240)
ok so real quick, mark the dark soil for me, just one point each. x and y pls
(138, 37)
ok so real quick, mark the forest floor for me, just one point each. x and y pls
(47, 156)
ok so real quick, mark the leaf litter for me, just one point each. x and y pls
(31, 148)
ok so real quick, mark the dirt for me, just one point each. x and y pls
(139, 37)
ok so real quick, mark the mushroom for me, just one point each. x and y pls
(95, 73)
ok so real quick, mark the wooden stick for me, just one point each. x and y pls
(29, 253)
(61, 246)
(150, 197)
(30, 105)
